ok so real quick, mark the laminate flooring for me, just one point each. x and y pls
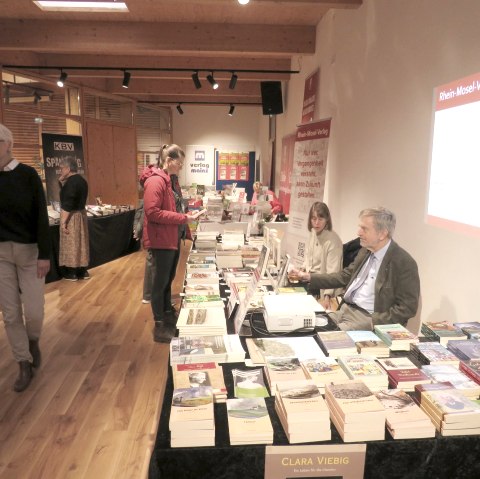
(92, 409)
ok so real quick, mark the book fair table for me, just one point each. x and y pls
(439, 457)
(109, 238)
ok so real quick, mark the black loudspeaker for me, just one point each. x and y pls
(272, 97)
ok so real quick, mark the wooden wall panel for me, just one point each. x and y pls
(110, 160)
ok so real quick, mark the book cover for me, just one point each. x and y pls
(323, 371)
(199, 374)
(192, 408)
(283, 369)
(249, 383)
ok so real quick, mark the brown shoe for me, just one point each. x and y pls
(24, 377)
(35, 352)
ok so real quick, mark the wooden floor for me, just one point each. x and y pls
(92, 409)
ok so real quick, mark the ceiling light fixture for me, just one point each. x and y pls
(126, 79)
(243, 2)
(36, 97)
(62, 79)
(179, 109)
(72, 6)
(232, 109)
(233, 81)
(196, 80)
(212, 81)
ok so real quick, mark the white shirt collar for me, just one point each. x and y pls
(11, 166)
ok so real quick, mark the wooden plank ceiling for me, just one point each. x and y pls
(257, 41)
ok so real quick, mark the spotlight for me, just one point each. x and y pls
(196, 81)
(36, 97)
(126, 79)
(179, 109)
(232, 109)
(243, 2)
(212, 81)
(62, 79)
(233, 81)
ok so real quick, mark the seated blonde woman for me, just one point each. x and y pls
(324, 252)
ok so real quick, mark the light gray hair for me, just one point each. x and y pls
(71, 162)
(6, 135)
(383, 219)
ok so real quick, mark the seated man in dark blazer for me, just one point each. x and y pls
(382, 284)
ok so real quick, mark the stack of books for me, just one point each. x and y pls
(202, 278)
(366, 369)
(434, 353)
(442, 332)
(323, 371)
(451, 374)
(206, 240)
(471, 369)
(201, 289)
(452, 413)
(200, 374)
(249, 383)
(336, 343)
(405, 419)
(201, 268)
(396, 336)
(229, 259)
(191, 417)
(355, 411)
(403, 374)
(201, 258)
(368, 343)
(466, 349)
(470, 328)
(279, 370)
(203, 301)
(232, 241)
(202, 322)
(204, 349)
(248, 421)
(301, 347)
(303, 412)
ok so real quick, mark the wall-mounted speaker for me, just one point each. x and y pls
(272, 103)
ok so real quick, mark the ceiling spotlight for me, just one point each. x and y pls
(196, 80)
(179, 109)
(36, 97)
(233, 81)
(212, 81)
(126, 79)
(232, 109)
(62, 79)
(243, 2)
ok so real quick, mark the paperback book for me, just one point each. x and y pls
(466, 349)
(336, 343)
(249, 421)
(471, 329)
(434, 353)
(451, 374)
(200, 374)
(279, 370)
(249, 383)
(323, 371)
(442, 331)
(366, 369)
(396, 336)
(369, 344)
(202, 322)
(402, 373)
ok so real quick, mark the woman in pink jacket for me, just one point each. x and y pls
(164, 226)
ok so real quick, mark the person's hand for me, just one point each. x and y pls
(43, 267)
(326, 302)
(64, 228)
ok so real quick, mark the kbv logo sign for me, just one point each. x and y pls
(62, 146)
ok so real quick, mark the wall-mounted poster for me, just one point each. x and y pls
(233, 166)
(288, 147)
(199, 165)
(308, 182)
(55, 148)
(310, 96)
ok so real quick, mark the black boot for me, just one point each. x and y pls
(24, 377)
(163, 333)
(35, 352)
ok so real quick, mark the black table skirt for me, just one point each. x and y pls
(436, 458)
(109, 238)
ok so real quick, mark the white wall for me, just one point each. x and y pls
(211, 125)
(379, 65)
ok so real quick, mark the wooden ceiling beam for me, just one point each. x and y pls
(125, 38)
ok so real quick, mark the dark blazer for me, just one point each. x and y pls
(397, 287)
